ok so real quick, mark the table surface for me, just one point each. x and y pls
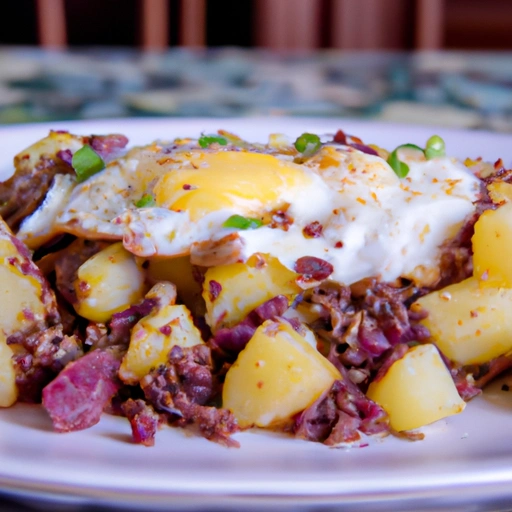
(456, 89)
(464, 90)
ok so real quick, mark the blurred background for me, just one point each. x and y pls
(441, 62)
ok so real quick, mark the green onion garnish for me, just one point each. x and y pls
(205, 140)
(401, 168)
(410, 146)
(86, 163)
(435, 147)
(239, 222)
(308, 143)
(145, 201)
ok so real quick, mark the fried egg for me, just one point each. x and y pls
(368, 222)
(341, 205)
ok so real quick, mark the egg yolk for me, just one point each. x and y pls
(242, 182)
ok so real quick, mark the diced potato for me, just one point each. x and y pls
(417, 390)
(500, 191)
(8, 389)
(21, 288)
(179, 271)
(492, 242)
(154, 335)
(48, 146)
(277, 375)
(469, 323)
(107, 283)
(232, 291)
(26, 304)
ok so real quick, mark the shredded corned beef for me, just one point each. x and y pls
(22, 194)
(143, 420)
(233, 339)
(340, 414)
(182, 390)
(365, 324)
(39, 357)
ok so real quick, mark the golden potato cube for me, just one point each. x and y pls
(48, 146)
(277, 375)
(500, 191)
(232, 291)
(154, 336)
(107, 283)
(8, 388)
(417, 390)
(469, 323)
(26, 300)
(492, 242)
(21, 291)
(180, 272)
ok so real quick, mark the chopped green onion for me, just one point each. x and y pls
(145, 201)
(409, 146)
(239, 222)
(86, 163)
(435, 147)
(401, 168)
(206, 140)
(308, 143)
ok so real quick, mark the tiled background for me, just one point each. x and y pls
(467, 90)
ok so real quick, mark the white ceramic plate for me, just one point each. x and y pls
(464, 462)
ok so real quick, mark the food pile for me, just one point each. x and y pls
(318, 286)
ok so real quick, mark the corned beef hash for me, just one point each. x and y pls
(321, 286)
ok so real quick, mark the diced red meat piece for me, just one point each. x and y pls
(234, 339)
(143, 420)
(108, 146)
(76, 397)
